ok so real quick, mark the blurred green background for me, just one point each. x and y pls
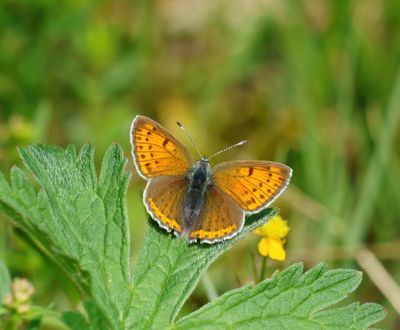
(314, 84)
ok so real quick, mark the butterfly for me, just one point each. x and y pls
(192, 199)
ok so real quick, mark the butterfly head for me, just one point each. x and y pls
(203, 165)
(205, 159)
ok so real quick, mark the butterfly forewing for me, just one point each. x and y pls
(252, 184)
(164, 198)
(220, 219)
(155, 151)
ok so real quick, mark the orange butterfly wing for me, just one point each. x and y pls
(155, 151)
(164, 199)
(252, 184)
(220, 219)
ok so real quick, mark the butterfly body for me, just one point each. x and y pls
(192, 199)
(199, 181)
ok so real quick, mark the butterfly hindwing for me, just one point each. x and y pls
(252, 184)
(155, 151)
(221, 218)
(164, 197)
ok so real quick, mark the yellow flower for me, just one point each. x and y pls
(273, 234)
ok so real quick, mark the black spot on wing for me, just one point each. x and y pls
(251, 169)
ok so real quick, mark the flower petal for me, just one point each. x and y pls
(276, 250)
(259, 231)
(263, 247)
(276, 227)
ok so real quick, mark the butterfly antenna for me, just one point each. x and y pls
(190, 138)
(228, 148)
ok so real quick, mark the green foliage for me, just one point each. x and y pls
(289, 300)
(80, 222)
(5, 281)
(77, 220)
(167, 271)
(77, 321)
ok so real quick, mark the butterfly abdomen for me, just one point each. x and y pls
(194, 201)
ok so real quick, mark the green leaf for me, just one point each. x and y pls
(289, 300)
(80, 222)
(5, 282)
(34, 324)
(95, 317)
(168, 269)
(77, 321)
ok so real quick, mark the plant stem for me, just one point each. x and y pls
(254, 266)
(263, 269)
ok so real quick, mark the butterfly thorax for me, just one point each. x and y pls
(199, 182)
